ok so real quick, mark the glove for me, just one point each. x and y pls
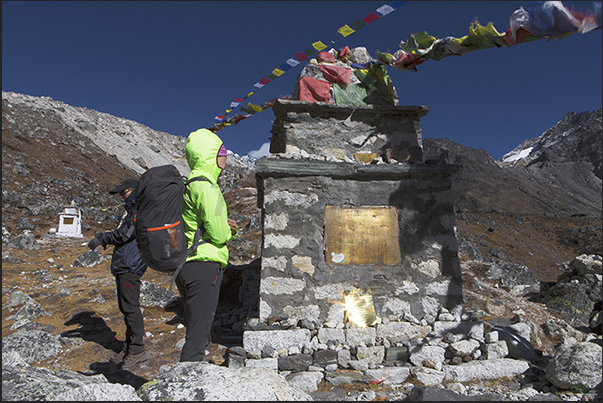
(94, 242)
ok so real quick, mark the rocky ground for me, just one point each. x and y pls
(93, 328)
(541, 243)
(89, 316)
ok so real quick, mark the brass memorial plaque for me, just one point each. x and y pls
(363, 235)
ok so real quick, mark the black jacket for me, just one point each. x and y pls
(126, 257)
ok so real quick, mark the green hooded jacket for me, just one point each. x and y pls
(203, 204)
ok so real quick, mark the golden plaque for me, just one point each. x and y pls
(365, 235)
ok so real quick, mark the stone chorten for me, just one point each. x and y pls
(353, 219)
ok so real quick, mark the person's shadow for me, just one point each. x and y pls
(94, 329)
(115, 374)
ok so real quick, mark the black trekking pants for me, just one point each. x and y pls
(128, 299)
(199, 285)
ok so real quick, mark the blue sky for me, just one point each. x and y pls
(174, 66)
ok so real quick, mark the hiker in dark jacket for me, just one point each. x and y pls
(128, 268)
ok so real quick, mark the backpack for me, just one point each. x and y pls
(158, 223)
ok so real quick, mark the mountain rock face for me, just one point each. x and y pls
(576, 139)
(56, 155)
(567, 158)
(529, 231)
(555, 174)
(538, 214)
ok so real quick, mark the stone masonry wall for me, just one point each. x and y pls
(337, 132)
(296, 280)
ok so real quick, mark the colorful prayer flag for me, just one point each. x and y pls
(301, 56)
(358, 24)
(309, 52)
(292, 62)
(370, 18)
(345, 30)
(319, 46)
(385, 9)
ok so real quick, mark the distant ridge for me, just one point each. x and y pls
(557, 173)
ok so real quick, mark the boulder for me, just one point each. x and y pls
(32, 345)
(206, 382)
(576, 365)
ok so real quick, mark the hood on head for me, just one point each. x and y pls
(201, 152)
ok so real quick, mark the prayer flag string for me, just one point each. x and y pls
(544, 20)
(343, 32)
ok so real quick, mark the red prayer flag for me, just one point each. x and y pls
(313, 90)
(344, 52)
(238, 118)
(520, 35)
(336, 74)
(301, 56)
(406, 60)
(325, 57)
(371, 18)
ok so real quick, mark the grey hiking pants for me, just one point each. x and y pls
(199, 285)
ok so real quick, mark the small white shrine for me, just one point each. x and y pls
(70, 222)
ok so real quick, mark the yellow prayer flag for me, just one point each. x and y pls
(319, 45)
(256, 108)
(251, 108)
(345, 30)
(278, 72)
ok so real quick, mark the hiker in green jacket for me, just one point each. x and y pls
(203, 206)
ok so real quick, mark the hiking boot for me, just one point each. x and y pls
(119, 356)
(133, 359)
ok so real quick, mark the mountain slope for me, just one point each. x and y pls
(530, 211)
(567, 158)
(556, 174)
(54, 154)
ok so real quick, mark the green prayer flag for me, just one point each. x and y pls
(353, 94)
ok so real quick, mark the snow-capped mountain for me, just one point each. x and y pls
(557, 173)
(577, 137)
